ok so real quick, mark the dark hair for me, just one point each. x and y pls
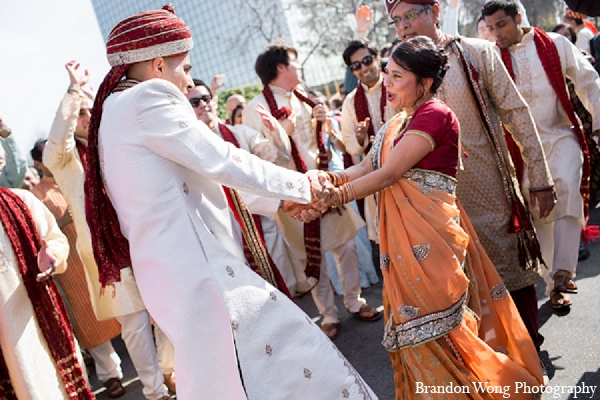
(200, 82)
(569, 27)
(355, 45)
(36, 152)
(480, 19)
(423, 58)
(238, 109)
(267, 62)
(385, 48)
(510, 7)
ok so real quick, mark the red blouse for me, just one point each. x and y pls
(437, 120)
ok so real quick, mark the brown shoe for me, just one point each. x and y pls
(559, 300)
(563, 282)
(367, 313)
(170, 382)
(331, 329)
(114, 388)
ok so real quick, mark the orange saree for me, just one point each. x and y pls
(452, 329)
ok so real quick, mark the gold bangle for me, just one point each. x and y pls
(77, 92)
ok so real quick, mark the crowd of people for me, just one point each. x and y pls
(459, 170)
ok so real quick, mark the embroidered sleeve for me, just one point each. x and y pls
(424, 135)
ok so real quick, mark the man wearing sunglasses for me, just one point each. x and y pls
(270, 144)
(364, 109)
(480, 91)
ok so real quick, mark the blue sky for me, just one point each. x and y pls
(37, 38)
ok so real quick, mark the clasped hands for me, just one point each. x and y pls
(323, 198)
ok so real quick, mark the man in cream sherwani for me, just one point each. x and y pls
(559, 232)
(235, 336)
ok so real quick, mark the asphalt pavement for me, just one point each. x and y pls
(570, 353)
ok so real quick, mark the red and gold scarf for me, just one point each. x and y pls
(312, 230)
(548, 54)
(50, 311)
(361, 107)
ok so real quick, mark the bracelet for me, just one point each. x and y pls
(77, 92)
(337, 178)
(343, 194)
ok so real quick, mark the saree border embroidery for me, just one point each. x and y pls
(424, 329)
(499, 291)
(428, 181)
(408, 312)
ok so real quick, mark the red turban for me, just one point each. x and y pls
(573, 14)
(143, 36)
(391, 4)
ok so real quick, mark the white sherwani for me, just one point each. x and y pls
(349, 124)
(30, 364)
(62, 159)
(164, 170)
(562, 149)
(275, 149)
(559, 232)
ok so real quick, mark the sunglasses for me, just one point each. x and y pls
(195, 101)
(357, 65)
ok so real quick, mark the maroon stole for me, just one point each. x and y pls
(50, 311)
(312, 230)
(361, 107)
(255, 248)
(548, 54)
(82, 150)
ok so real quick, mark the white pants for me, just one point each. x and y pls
(137, 334)
(559, 241)
(165, 351)
(107, 361)
(346, 259)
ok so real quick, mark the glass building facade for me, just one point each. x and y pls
(229, 35)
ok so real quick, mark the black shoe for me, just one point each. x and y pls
(584, 253)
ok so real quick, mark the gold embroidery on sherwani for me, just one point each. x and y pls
(480, 181)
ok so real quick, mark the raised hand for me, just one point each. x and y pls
(362, 131)
(364, 18)
(4, 130)
(46, 262)
(217, 82)
(268, 120)
(78, 80)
